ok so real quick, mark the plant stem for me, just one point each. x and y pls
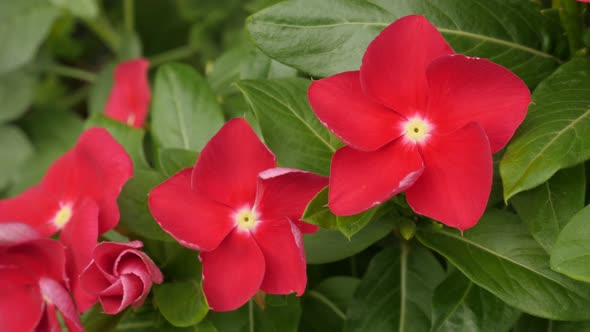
(172, 55)
(572, 22)
(66, 71)
(128, 10)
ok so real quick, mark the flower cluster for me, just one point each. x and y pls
(416, 118)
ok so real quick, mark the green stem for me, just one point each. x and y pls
(105, 31)
(173, 55)
(66, 71)
(403, 272)
(572, 22)
(251, 315)
(129, 16)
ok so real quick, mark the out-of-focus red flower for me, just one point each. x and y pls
(33, 282)
(78, 195)
(243, 214)
(584, 1)
(130, 95)
(419, 118)
(120, 274)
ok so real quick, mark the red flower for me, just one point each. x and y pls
(130, 96)
(33, 282)
(78, 195)
(120, 275)
(242, 214)
(419, 118)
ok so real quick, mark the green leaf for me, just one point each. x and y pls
(15, 150)
(571, 252)
(95, 320)
(251, 317)
(135, 214)
(182, 303)
(327, 37)
(25, 23)
(325, 306)
(289, 126)
(81, 8)
(528, 323)
(173, 160)
(396, 292)
(129, 137)
(500, 256)
(318, 213)
(547, 208)
(327, 246)
(52, 134)
(185, 113)
(554, 134)
(460, 305)
(17, 90)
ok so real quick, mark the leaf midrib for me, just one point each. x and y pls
(461, 33)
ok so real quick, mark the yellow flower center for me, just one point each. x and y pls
(246, 219)
(63, 216)
(416, 129)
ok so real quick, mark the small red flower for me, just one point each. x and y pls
(120, 275)
(130, 96)
(33, 282)
(243, 214)
(78, 195)
(419, 118)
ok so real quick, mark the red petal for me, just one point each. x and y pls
(21, 308)
(130, 95)
(44, 257)
(97, 167)
(463, 90)
(41, 217)
(360, 180)
(192, 219)
(80, 236)
(228, 166)
(126, 290)
(284, 192)
(394, 65)
(341, 105)
(457, 178)
(282, 246)
(15, 233)
(58, 296)
(93, 279)
(233, 272)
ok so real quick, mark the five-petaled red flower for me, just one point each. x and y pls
(78, 195)
(243, 214)
(33, 282)
(419, 118)
(130, 95)
(120, 274)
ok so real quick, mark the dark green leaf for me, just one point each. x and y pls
(82, 8)
(500, 256)
(571, 252)
(327, 37)
(318, 213)
(129, 137)
(289, 126)
(100, 89)
(15, 150)
(554, 134)
(547, 208)
(327, 246)
(182, 302)
(25, 23)
(528, 323)
(135, 214)
(325, 306)
(173, 160)
(185, 113)
(17, 90)
(460, 305)
(396, 292)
